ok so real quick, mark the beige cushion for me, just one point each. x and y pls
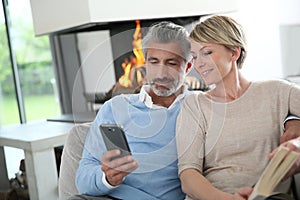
(71, 156)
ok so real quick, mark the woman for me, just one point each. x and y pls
(224, 135)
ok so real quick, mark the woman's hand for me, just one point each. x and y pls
(292, 145)
(242, 193)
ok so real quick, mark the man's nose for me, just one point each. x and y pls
(162, 69)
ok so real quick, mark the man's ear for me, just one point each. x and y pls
(189, 66)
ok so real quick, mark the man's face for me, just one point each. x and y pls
(165, 68)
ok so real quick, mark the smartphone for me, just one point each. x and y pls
(114, 138)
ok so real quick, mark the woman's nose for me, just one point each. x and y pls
(198, 63)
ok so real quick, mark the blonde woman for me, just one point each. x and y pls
(224, 135)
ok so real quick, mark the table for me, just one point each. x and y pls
(82, 117)
(38, 140)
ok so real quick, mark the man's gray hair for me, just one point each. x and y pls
(166, 32)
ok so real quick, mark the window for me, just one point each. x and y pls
(8, 101)
(27, 86)
(33, 72)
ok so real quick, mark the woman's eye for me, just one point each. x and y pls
(194, 57)
(206, 53)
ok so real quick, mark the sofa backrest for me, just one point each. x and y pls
(71, 156)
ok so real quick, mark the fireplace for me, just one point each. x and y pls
(124, 32)
(128, 63)
(128, 60)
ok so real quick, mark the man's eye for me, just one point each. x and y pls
(153, 62)
(172, 64)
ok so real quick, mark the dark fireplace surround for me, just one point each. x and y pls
(121, 35)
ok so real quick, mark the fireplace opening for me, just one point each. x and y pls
(122, 36)
(133, 67)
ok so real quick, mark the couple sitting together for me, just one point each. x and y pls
(209, 145)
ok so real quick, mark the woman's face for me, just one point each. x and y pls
(213, 62)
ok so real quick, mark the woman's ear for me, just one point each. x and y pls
(236, 52)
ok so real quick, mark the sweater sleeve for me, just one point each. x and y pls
(89, 174)
(190, 135)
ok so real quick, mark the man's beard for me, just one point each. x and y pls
(166, 91)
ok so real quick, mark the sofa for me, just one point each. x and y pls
(72, 154)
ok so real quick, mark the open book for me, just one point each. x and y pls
(277, 168)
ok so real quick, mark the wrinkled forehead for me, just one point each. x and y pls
(171, 48)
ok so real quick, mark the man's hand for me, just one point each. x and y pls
(292, 130)
(293, 145)
(116, 169)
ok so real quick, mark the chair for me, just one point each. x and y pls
(71, 156)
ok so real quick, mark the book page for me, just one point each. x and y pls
(279, 165)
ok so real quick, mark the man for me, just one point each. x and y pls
(148, 119)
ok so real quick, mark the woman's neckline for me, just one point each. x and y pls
(213, 99)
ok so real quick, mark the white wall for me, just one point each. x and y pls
(261, 20)
(290, 36)
(289, 11)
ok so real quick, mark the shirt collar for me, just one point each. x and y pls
(147, 100)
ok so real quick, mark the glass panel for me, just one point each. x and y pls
(33, 57)
(9, 113)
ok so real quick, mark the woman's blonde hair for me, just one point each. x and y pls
(222, 30)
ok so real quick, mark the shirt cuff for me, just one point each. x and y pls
(290, 117)
(104, 181)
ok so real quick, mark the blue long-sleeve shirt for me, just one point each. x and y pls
(150, 131)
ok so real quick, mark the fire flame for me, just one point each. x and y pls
(135, 62)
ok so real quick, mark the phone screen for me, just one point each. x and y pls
(114, 138)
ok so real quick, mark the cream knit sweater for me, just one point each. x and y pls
(229, 142)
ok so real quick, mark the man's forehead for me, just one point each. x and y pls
(171, 48)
